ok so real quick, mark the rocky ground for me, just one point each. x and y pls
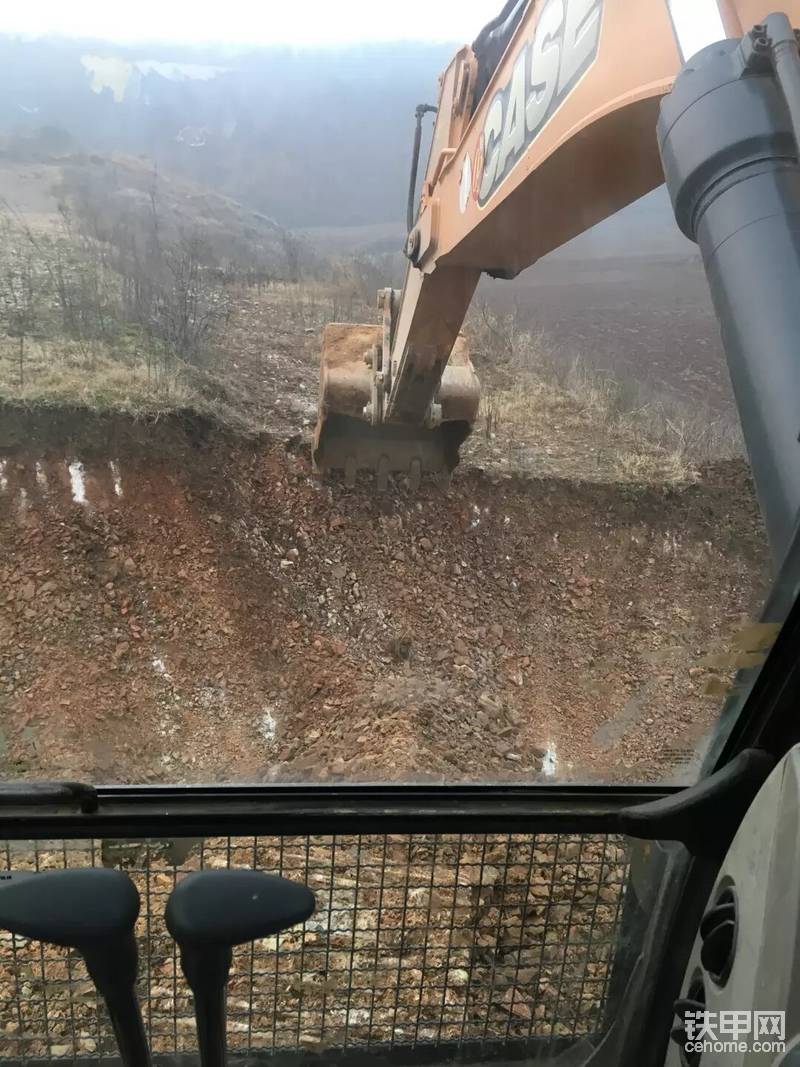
(179, 603)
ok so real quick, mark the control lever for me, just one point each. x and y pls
(93, 911)
(207, 914)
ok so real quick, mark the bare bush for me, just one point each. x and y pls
(98, 296)
(186, 311)
(292, 250)
(526, 376)
(353, 283)
(18, 303)
(17, 292)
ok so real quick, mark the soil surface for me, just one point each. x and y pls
(177, 603)
(649, 321)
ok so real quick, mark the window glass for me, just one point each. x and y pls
(182, 597)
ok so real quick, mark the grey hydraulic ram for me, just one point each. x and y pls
(728, 139)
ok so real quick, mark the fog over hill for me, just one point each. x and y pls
(317, 139)
(309, 138)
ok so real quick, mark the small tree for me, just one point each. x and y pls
(188, 308)
(293, 252)
(18, 304)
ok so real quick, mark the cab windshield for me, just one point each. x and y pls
(183, 597)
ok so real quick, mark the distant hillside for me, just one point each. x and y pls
(646, 228)
(316, 140)
(117, 199)
(307, 138)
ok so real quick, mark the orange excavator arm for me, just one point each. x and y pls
(562, 135)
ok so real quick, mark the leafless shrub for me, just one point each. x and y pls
(186, 311)
(528, 371)
(490, 411)
(18, 303)
(97, 296)
(292, 251)
(353, 282)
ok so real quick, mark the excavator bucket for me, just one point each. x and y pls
(349, 439)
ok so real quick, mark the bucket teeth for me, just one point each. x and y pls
(383, 469)
(346, 437)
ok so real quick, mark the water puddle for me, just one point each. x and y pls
(549, 761)
(116, 476)
(77, 478)
(41, 477)
(31, 481)
(267, 726)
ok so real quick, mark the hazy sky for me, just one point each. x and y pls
(296, 22)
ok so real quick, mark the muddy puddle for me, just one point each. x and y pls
(59, 481)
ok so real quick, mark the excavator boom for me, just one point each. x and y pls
(527, 152)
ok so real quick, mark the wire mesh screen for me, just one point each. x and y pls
(416, 942)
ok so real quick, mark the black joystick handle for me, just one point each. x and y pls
(93, 911)
(211, 911)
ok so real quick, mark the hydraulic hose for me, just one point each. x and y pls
(422, 110)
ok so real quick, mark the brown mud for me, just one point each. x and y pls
(177, 603)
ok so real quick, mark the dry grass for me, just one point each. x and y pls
(547, 414)
(77, 327)
(541, 428)
(60, 373)
(86, 323)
